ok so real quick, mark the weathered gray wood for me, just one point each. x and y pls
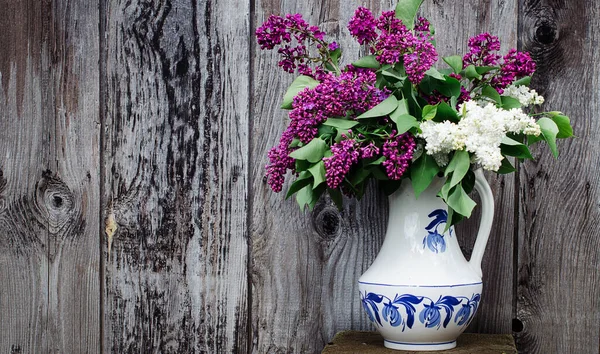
(176, 176)
(455, 22)
(558, 298)
(49, 186)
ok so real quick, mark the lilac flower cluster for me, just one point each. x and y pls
(483, 50)
(337, 166)
(515, 65)
(395, 42)
(362, 26)
(280, 162)
(398, 151)
(293, 34)
(353, 91)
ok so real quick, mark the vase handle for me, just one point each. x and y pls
(487, 216)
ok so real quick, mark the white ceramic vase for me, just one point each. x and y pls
(420, 292)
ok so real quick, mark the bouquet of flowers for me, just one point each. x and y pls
(393, 115)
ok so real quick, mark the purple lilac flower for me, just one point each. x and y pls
(280, 161)
(421, 60)
(516, 65)
(422, 25)
(353, 91)
(398, 151)
(333, 46)
(362, 26)
(369, 151)
(394, 41)
(338, 165)
(293, 34)
(482, 50)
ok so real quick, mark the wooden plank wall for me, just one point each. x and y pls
(149, 121)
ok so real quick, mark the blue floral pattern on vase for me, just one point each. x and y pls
(402, 309)
(434, 239)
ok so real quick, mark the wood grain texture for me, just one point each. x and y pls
(558, 298)
(176, 176)
(499, 18)
(49, 186)
(313, 261)
(305, 266)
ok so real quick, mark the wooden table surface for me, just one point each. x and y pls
(468, 343)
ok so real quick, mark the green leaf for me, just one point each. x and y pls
(302, 181)
(422, 173)
(510, 147)
(339, 123)
(445, 190)
(454, 218)
(384, 108)
(471, 72)
(525, 81)
(336, 197)
(406, 10)
(312, 152)
(378, 173)
(549, 131)
(393, 73)
(510, 102)
(369, 62)
(455, 62)
(318, 173)
(404, 122)
(450, 87)
(299, 84)
(429, 112)
(458, 166)
(506, 167)
(445, 112)
(490, 92)
(335, 55)
(378, 161)
(435, 74)
(564, 126)
(485, 69)
(304, 197)
(460, 201)
(359, 176)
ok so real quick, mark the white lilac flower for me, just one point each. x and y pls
(483, 129)
(519, 122)
(480, 131)
(440, 137)
(524, 94)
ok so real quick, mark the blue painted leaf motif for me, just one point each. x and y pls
(372, 300)
(448, 303)
(430, 316)
(434, 240)
(408, 301)
(365, 305)
(440, 216)
(391, 311)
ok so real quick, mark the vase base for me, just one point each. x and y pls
(419, 346)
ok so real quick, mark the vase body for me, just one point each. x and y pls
(420, 292)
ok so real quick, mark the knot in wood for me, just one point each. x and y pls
(55, 195)
(327, 222)
(545, 33)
